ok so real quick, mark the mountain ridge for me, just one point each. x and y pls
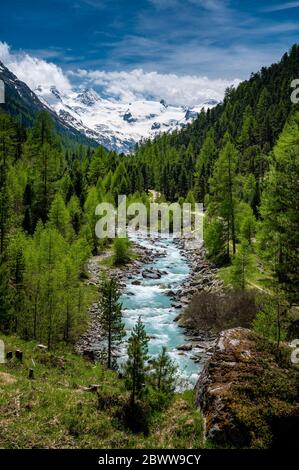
(21, 101)
(118, 125)
(85, 116)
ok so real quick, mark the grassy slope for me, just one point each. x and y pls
(52, 410)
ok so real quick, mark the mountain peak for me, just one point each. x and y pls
(88, 97)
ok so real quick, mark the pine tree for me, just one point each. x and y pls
(7, 152)
(111, 317)
(163, 373)
(204, 165)
(223, 187)
(5, 299)
(90, 205)
(28, 202)
(280, 211)
(242, 266)
(263, 121)
(49, 169)
(17, 267)
(75, 213)
(135, 368)
(59, 216)
(97, 167)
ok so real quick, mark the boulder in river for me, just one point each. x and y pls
(151, 274)
(185, 347)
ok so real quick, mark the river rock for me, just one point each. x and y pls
(178, 317)
(151, 274)
(185, 347)
(176, 305)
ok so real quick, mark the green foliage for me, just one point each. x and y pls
(135, 367)
(121, 251)
(56, 413)
(89, 208)
(59, 216)
(162, 379)
(273, 319)
(280, 212)
(215, 240)
(241, 266)
(111, 317)
(223, 199)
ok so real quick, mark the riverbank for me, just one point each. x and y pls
(159, 275)
(88, 343)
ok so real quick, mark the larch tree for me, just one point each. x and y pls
(111, 317)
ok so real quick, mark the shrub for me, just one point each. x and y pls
(121, 251)
(216, 311)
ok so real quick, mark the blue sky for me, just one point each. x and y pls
(219, 39)
(207, 37)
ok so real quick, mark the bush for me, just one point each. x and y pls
(216, 311)
(121, 251)
(136, 417)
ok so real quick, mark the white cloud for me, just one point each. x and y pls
(126, 86)
(32, 70)
(282, 6)
(138, 85)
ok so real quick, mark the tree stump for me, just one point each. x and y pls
(19, 355)
(9, 355)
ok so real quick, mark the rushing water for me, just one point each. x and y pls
(150, 301)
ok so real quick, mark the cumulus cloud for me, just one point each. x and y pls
(33, 71)
(138, 85)
(126, 86)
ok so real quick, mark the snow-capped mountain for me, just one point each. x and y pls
(88, 117)
(21, 101)
(115, 124)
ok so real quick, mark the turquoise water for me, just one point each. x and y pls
(149, 300)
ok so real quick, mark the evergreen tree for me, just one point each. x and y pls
(90, 205)
(75, 213)
(135, 368)
(163, 373)
(204, 165)
(242, 266)
(121, 251)
(97, 167)
(5, 299)
(280, 211)
(59, 216)
(223, 186)
(111, 317)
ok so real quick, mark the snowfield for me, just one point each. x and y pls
(115, 124)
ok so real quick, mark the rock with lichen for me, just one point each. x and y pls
(248, 394)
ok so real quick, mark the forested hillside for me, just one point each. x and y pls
(47, 205)
(241, 159)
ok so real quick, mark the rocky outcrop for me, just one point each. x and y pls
(244, 393)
